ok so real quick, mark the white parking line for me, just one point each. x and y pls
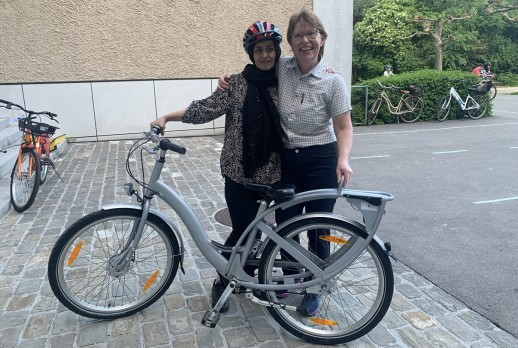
(454, 151)
(496, 200)
(381, 156)
(437, 129)
(514, 147)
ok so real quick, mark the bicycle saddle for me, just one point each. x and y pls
(275, 192)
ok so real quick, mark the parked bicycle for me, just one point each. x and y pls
(486, 85)
(122, 258)
(475, 104)
(31, 167)
(408, 109)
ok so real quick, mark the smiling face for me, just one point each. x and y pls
(306, 42)
(264, 55)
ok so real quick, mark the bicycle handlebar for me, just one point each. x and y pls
(164, 144)
(391, 87)
(9, 105)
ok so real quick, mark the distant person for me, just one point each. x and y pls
(486, 71)
(478, 70)
(388, 71)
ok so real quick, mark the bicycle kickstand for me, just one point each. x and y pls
(54, 167)
(211, 318)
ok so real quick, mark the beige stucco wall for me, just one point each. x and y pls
(96, 40)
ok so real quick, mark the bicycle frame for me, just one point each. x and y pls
(394, 110)
(453, 93)
(370, 204)
(36, 142)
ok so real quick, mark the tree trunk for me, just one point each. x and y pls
(437, 42)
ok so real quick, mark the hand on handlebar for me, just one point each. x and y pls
(159, 122)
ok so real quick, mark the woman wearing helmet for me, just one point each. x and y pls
(253, 135)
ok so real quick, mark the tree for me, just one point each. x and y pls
(503, 8)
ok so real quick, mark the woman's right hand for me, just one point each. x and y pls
(160, 122)
(223, 84)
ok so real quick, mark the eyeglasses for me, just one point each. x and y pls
(309, 34)
(268, 49)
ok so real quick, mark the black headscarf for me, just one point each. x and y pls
(262, 132)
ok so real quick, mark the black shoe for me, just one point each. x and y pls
(217, 291)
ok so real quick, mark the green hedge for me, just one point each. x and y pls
(435, 84)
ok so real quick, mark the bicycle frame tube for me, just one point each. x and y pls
(455, 94)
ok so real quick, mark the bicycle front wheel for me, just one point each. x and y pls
(25, 180)
(373, 111)
(351, 304)
(411, 109)
(95, 272)
(443, 108)
(474, 111)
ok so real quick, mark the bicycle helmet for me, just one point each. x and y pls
(260, 31)
(387, 67)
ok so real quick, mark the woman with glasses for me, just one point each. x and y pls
(253, 141)
(316, 118)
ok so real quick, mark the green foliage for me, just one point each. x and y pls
(396, 32)
(508, 79)
(435, 84)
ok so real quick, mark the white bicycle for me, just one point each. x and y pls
(121, 259)
(475, 104)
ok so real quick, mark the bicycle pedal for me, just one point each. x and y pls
(210, 319)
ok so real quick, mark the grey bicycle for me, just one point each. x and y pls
(121, 259)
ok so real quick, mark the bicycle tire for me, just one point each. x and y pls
(24, 187)
(492, 91)
(443, 108)
(344, 315)
(373, 111)
(476, 113)
(411, 109)
(44, 166)
(80, 272)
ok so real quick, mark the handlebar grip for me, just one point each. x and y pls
(5, 101)
(166, 144)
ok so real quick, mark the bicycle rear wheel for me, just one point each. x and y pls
(25, 180)
(492, 91)
(85, 277)
(411, 109)
(373, 111)
(352, 303)
(443, 108)
(477, 112)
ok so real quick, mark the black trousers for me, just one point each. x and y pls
(310, 168)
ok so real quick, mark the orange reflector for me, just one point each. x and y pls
(323, 321)
(334, 239)
(151, 280)
(74, 253)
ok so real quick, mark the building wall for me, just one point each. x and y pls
(108, 68)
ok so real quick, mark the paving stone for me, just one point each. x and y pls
(38, 325)
(155, 333)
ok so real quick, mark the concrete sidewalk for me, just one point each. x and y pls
(421, 315)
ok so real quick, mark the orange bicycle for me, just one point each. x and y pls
(32, 164)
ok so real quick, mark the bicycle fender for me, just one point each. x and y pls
(164, 218)
(334, 216)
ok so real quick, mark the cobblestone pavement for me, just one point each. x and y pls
(421, 315)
